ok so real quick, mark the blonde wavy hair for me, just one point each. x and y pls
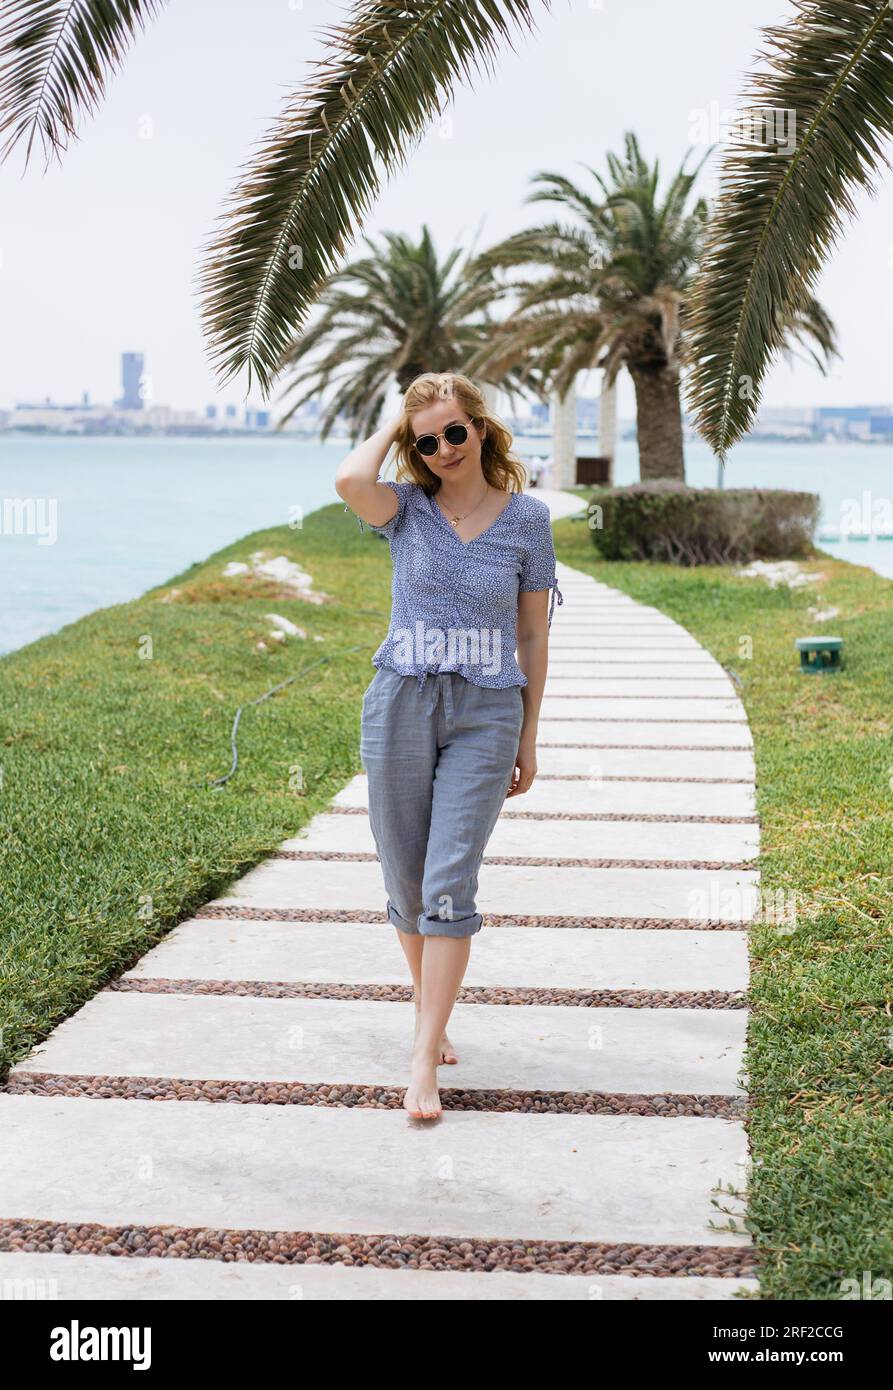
(501, 468)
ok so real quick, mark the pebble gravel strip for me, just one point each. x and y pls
(681, 819)
(612, 719)
(603, 815)
(388, 1251)
(631, 654)
(564, 695)
(538, 861)
(346, 1095)
(296, 915)
(661, 748)
(600, 815)
(576, 660)
(579, 621)
(468, 994)
(587, 777)
(557, 863)
(631, 659)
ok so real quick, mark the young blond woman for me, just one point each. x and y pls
(449, 720)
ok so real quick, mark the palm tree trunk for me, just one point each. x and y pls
(564, 439)
(659, 424)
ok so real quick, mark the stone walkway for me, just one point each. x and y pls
(236, 1097)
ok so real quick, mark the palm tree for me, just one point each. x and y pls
(613, 294)
(385, 319)
(812, 133)
(389, 71)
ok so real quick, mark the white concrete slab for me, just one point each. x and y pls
(586, 592)
(671, 642)
(366, 1043)
(574, 611)
(577, 609)
(581, 583)
(578, 604)
(611, 600)
(599, 796)
(560, 503)
(260, 1167)
(356, 953)
(579, 576)
(662, 763)
(643, 708)
(606, 654)
(608, 601)
(507, 889)
(640, 627)
(567, 681)
(568, 619)
(596, 732)
(95, 1277)
(594, 665)
(567, 840)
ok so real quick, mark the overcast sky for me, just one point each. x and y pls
(99, 256)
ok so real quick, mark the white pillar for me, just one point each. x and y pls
(490, 394)
(564, 440)
(607, 425)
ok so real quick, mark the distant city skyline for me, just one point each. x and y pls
(135, 414)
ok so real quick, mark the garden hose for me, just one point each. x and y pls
(220, 781)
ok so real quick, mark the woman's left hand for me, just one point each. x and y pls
(525, 769)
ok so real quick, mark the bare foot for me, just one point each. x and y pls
(447, 1051)
(422, 1100)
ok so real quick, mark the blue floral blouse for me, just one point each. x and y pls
(454, 606)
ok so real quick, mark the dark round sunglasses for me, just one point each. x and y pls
(428, 444)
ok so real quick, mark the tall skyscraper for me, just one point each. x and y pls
(131, 378)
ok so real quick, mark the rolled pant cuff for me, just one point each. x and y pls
(460, 926)
(401, 923)
(435, 926)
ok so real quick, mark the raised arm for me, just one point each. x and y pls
(357, 478)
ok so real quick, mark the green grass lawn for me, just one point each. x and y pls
(820, 1057)
(112, 833)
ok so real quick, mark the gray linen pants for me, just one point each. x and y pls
(439, 762)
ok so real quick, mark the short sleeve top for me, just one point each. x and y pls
(454, 606)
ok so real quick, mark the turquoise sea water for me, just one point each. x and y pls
(129, 513)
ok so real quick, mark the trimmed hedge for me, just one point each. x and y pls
(667, 521)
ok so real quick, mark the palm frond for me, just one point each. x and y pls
(552, 245)
(828, 82)
(56, 60)
(389, 69)
(808, 325)
(384, 318)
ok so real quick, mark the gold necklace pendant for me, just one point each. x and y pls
(454, 520)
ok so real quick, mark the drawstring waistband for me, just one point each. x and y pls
(442, 688)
